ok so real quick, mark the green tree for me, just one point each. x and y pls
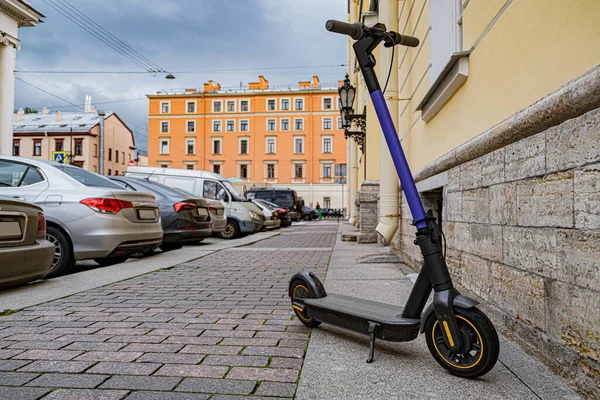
(29, 110)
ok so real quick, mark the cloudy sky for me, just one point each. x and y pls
(201, 37)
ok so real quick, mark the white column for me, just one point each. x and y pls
(7, 94)
(352, 149)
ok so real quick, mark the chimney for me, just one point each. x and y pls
(87, 103)
(19, 115)
(93, 109)
(315, 82)
(262, 84)
(45, 111)
(58, 116)
(304, 85)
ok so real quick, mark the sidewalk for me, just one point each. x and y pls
(335, 367)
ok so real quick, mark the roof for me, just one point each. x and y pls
(22, 12)
(238, 92)
(79, 122)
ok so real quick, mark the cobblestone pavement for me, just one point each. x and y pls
(219, 327)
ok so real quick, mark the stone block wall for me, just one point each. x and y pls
(523, 230)
(368, 214)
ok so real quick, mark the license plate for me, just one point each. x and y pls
(219, 211)
(146, 214)
(10, 230)
(203, 212)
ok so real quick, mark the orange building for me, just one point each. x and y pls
(288, 137)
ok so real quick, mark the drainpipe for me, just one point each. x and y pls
(388, 184)
(102, 114)
(352, 150)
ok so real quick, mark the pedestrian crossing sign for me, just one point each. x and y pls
(59, 156)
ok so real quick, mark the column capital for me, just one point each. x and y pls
(9, 40)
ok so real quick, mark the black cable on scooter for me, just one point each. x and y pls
(390, 72)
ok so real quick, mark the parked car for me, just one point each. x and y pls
(25, 253)
(310, 213)
(185, 218)
(272, 220)
(242, 216)
(285, 198)
(284, 214)
(88, 216)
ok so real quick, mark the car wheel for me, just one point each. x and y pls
(231, 231)
(170, 246)
(63, 260)
(107, 262)
(307, 217)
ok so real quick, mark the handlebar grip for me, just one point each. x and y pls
(409, 41)
(355, 30)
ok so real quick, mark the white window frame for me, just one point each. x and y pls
(303, 175)
(267, 104)
(168, 103)
(187, 105)
(323, 144)
(299, 119)
(247, 165)
(299, 98)
(446, 37)
(187, 143)
(241, 100)
(240, 139)
(275, 125)
(323, 171)
(274, 138)
(187, 128)
(281, 124)
(323, 103)
(168, 126)
(212, 148)
(227, 125)
(281, 104)
(227, 105)
(302, 139)
(160, 148)
(274, 171)
(248, 124)
(213, 106)
(330, 123)
(339, 123)
(220, 124)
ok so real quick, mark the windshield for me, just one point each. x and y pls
(88, 178)
(234, 194)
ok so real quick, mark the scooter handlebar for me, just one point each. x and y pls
(404, 40)
(355, 30)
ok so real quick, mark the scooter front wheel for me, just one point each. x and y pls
(300, 290)
(480, 347)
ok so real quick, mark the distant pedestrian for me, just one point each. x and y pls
(319, 211)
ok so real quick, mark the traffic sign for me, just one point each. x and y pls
(59, 157)
(131, 162)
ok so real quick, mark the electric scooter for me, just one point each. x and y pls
(459, 336)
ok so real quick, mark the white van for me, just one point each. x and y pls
(242, 215)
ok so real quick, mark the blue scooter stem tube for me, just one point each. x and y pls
(402, 168)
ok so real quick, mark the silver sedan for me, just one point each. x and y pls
(88, 216)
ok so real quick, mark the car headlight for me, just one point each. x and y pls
(253, 215)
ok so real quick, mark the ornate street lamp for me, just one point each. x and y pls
(347, 93)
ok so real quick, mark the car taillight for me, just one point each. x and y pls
(41, 230)
(106, 205)
(294, 206)
(183, 206)
(212, 208)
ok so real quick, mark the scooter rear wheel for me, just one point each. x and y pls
(300, 290)
(480, 348)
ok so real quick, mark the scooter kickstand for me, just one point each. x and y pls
(372, 330)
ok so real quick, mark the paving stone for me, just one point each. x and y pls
(137, 339)
(223, 386)
(232, 397)
(123, 368)
(276, 389)
(123, 324)
(11, 365)
(166, 396)
(68, 381)
(39, 345)
(33, 337)
(120, 356)
(228, 333)
(238, 361)
(84, 338)
(286, 362)
(300, 344)
(185, 370)
(273, 351)
(141, 383)
(169, 358)
(22, 393)
(6, 354)
(15, 378)
(176, 332)
(58, 355)
(153, 348)
(248, 342)
(86, 394)
(264, 374)
(227, 350)
(193, 340)
(91, 346)
(57, 366)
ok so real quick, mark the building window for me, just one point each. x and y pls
(217, 106)
(299, 124)
(95, 150)
(244, 125)
(231, 126)
(243, 171)
(340, 126)
(270, 125)
(116, 172)
(271, 105)
(191, 107)
(164, 146)
(217, 169)
(191, 126)
(123, 160)
(216, 146)
(116, 156)
(216, 126)
(299, 145)
(327, 103)
(298, 170)
(189, 166)
(37, 147)
(109, 172)
(327, 124)
(165, 107)
(16, 148)
(164, 127)
(244, 105)
(446, 36)
(299, 104)
(109, 154)
(285, 104)
(326, 170)
(95, 169)
(243, 146)
(191, 146)
(271, 146)
(327, 147)
(230, 105)
(285, 124)
(58, 145)
(326, 202)
(271, 171)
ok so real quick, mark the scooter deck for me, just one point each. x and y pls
(356, 314)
